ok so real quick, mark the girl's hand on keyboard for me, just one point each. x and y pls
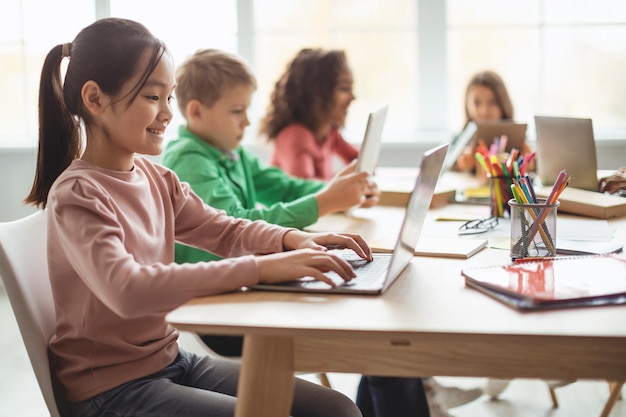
(295, 239)
(290, 266)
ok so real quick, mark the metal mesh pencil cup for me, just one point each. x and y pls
(533, 229)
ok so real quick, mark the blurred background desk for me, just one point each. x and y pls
(396, 184)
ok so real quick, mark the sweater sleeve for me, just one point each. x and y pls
(294, 150)
(284, 202)
(345, 150)
(129, 267)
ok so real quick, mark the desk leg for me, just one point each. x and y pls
(266, 381)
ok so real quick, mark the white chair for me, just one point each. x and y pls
(24, 270)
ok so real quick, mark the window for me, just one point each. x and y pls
(380, 40)
(213, 24)
(557, 57)
(560, 57)
(30, 28)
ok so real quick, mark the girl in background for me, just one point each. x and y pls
(113, 218)
(486, 100)
(308, 108)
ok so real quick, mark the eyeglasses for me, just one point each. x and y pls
(477, 226)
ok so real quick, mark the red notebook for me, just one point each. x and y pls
(580, 281)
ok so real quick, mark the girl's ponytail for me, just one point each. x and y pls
(59, 130)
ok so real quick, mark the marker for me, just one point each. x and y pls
(482, 162)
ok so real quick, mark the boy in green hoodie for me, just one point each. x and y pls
(213, 91)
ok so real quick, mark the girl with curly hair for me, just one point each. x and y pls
(308, 107)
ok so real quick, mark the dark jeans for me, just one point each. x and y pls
(229, 346)
(200, 386)
(380, 396)
(376, 396)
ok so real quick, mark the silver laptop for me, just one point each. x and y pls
(372, 140)
(376, 276)
(566, 143)
(458, 145)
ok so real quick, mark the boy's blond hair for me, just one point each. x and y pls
(206, 74)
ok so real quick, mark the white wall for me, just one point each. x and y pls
(17, 168)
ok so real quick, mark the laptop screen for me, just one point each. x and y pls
(566, 143)
(458, 145)
(417, 209)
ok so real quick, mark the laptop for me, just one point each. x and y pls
(376, 276)
(487, 131)
(566, 143)
(515, 133)
(458, 145)
(372, 141)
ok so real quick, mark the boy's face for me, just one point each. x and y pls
(223, 124)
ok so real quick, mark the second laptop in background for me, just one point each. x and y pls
(565, 143)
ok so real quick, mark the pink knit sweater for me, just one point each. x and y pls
(111, 262)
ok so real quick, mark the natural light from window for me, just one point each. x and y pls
(557, 57)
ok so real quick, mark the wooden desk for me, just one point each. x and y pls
(427, 323)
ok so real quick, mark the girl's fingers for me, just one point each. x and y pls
(357, 244)
(343, 268)
(329, 262)
(346, 241)
(319, 276)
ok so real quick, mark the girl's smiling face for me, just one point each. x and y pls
(127, 124)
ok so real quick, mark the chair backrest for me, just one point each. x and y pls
(24, 270)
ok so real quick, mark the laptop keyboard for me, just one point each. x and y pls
(367, 272)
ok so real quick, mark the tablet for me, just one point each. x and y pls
(515, 133)
(370, 147)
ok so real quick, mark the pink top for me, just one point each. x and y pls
(111, 263)
(298, 153)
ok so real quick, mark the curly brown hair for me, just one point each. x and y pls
(305, 92)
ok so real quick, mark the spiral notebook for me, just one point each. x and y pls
(555, 283)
